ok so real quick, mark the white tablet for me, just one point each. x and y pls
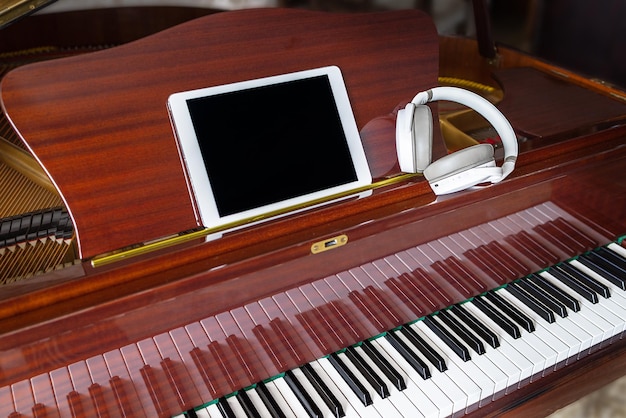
(259, 148)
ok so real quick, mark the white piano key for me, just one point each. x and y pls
(258, 402)
(439, 396)
(211, 411)
(235, 406)
(512, 371)
(494, 380)
(315, 397)
(470, 379)
(543, 330)
(543, 349)
(587, 310)
(290, 397)
(343, 388)
(520, 353)
(384, 406)
(617, 248)
(412, 392)
(280, 399)
(398, 398)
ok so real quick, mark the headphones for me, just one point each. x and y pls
(464, 168)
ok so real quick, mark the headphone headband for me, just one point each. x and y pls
(484, 108)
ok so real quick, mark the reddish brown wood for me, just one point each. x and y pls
(109, 108)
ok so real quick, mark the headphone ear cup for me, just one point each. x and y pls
(459, 161)
(414, 131)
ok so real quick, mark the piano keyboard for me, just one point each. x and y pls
(452, 362)
(438, 330)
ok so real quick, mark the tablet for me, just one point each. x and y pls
(261, 148)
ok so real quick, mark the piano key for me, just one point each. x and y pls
(618, 249)
(428, 398)
(303, 396)
(314, 398)
(503, 323)
(595, 313)
(422, 346)
(393, 375)
(247, 405)
(283, 407)
(549, 354)
(351, 380)
(271, 404)
(555, 292)
(384, 406)
(352, 405)
(406, 402)
(227, 410)
(291, 400)
(476, 377)
(323, 391)
(409, 355)
(522, 355)
(593, 284)
(510, 370)
(546, 334)
(450, 340)
(580, 288)
(374, 380)
(529, 300)
(470, 339)
(604, 268)
(541, 296)
(210, 411)
(510, 311)
(485, 333)
(259, 404)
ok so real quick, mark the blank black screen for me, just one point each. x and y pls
(271, 143)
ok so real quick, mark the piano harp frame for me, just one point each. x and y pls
(114, 301)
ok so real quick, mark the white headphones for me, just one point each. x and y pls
(464, 168)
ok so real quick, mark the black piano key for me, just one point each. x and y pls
(477, 326)
(506, 324)
(225, 409)
(528, 300)
(305, 399)
(551, 303)
(247, 405)
(449, 339)
(460, 330)
(416, 363)
(383, 364)
(323, 390)
(354, 384)
(604, 268)
(431, 355)
(612, 257)
(191, 413)
(268, 400)
(557, 293)
(583, 277)
(515, 314)
(582, 289)
(375, 381)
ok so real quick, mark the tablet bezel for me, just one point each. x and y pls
(198, 181)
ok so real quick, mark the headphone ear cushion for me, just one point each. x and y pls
(459, 161)
(414, 131)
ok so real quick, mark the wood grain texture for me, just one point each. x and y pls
(98, 123)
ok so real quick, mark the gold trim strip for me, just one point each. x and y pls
(148, 247)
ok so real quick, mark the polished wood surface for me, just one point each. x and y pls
(73, 325)
(109, 107)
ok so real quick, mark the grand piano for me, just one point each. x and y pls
(502, 300)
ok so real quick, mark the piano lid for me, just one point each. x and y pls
(12, 10)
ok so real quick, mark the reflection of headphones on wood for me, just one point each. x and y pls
(464, 168)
